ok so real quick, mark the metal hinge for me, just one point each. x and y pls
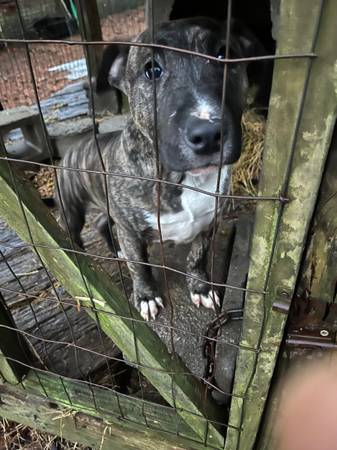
(312, 324)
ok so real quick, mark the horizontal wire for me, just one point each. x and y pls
(128, 397)
(162, 47)
(126, 260)
(114, 358)
(143, 178)
(158, 323)
(218, 195)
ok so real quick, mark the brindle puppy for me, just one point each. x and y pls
(188, 90)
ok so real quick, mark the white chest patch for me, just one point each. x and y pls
(198, 209)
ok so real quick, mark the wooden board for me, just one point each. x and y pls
(300, 125)
(155, 362)
(44, 316)
(105, 434)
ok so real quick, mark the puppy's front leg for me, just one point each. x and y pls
(145, 297)
(201, 293)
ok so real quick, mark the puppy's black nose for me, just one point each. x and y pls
(203, 136)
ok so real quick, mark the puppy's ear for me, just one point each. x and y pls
(247, 44)
(112, 70)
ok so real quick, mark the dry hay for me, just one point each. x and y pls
(247, 170)
(43, 181)
(20, 437)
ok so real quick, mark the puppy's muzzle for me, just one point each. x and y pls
(203, 137)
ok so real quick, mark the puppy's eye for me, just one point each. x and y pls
(221, 52)
(153, 71)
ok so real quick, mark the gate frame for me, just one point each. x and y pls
(301, 120)
(294, 160)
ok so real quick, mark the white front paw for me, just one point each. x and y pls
(208, 301)
(150, 308)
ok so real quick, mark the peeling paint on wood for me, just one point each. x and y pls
(283, 241)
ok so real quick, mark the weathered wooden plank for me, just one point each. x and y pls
(283, 240)
(36, 309)
(319, 277)
(90, 27)
(109, 405)
(94, 432)
(161, 368)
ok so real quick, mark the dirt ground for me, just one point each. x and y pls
(16, 88)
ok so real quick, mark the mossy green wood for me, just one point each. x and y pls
(110, 406)
(7, 371)
(263, 327)
(319, 276)
(98, 432)
(11, 346)
(165, 371)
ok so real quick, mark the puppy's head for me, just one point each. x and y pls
(188, 92)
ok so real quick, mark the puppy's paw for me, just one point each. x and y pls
(208, 300)
(149, 308)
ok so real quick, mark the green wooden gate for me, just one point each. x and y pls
(301, 121)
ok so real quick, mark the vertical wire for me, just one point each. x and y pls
(222, 137)
(36, 373)
(107, 205)
(47, 141)
(65, 390)
(158, 191)
(217, 190)
(86, 52)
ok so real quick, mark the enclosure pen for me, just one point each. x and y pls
(286, 264)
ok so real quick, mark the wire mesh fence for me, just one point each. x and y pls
(59, 341)
(55, 66)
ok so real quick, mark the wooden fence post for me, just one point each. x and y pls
(319, 276)
(90, 27)
(301, 121)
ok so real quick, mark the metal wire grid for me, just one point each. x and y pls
(281, 199)
(61, 65)
(15, 72)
